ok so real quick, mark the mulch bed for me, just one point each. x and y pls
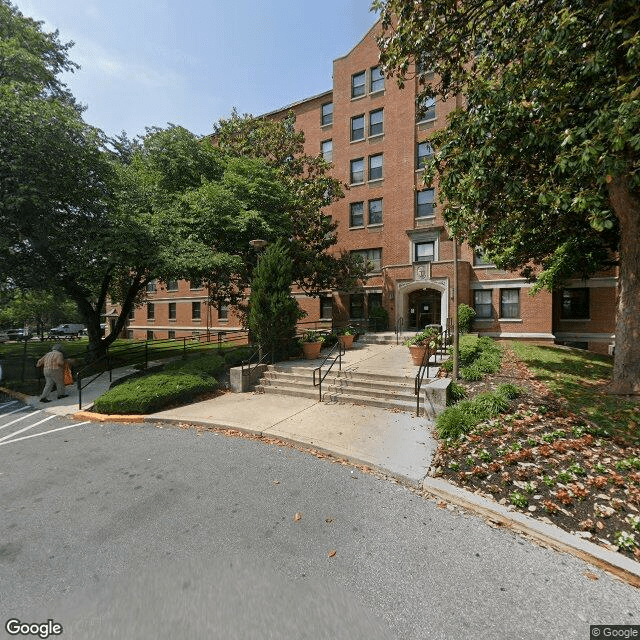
(550, 463)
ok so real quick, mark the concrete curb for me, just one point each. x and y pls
(552, 536)
(15, 394)
(103, 417)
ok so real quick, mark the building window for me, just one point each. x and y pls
(376, 122)
(326, 149)
(574, 304)
(375, 167)
(377, 79)
(151, 311)
(195, 310)
(372, 259)
(195, 285)
(223, 312)
(357, 171)
(375, 211)
(356, 305)
(480, 260)
(172, 285)
(357, 128)
(424, 251)
(151, 286)
(424, 153)
(326, 113)
(356, 214)
(426, 110)
(374, 301)
(358, 84)
(172, 311)
(510, 303)
(425, 203)
(482, 303)
(149, 334)
(171, 334)
(326, 307)
(132, 314)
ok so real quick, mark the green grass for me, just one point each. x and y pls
(579, 377)
(478, 357)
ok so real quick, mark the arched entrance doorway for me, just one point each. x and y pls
(423, 308)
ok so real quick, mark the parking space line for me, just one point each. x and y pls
(27, 428)
(26, 406)
(18, 419)
(6, 404)
(44, 433)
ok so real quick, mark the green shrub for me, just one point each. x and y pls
(451, 423)
(491, 403)
(466, 316)
(456, 392)
(471, 373)
(235, 356)
(209, 364)
(508, 390)
(154, 392)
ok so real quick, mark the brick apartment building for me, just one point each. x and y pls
(377, 139)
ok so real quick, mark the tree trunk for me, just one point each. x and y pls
(626, 366)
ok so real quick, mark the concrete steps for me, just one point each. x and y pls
(370, 389)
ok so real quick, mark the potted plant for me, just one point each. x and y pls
(311, 343)
(418, 345)
(346, 336)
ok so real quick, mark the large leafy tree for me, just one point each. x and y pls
(540, 165)
(316, 265)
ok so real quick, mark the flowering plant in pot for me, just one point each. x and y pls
(429, 338)
(346, 337)
(311, 343)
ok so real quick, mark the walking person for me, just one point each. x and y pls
(53, 364)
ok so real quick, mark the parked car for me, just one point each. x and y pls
(19, 334)
(4, 336)
(67, 331)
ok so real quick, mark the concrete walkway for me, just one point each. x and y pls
(397, 443)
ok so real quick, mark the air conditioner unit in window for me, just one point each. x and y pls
(612, 349)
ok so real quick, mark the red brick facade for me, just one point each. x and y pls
(375, 137)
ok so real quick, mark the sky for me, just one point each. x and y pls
(190, 62)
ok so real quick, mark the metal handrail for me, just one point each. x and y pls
(424, 366)
(341, 352)
(107, 361)
(399, 328)
(247, 363)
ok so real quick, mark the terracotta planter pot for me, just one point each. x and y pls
(417, 354)
(311, 350)
(346, 341)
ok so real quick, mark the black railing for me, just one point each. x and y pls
(92, 372)
(248, 366)
(439, 348)
(318, 370)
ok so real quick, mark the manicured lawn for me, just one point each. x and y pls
(563, 451)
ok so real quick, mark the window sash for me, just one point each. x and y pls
(326, 150)
(326, 113)
(425, 151)
(372, 259)
(425, 251)
(357, 128)
(326, 307)
(195, 311)
(223, 312)
(172, 285)
(375, 211)
(356, 214)
(574, 304)
(510, 303)
(356, 305)
(151, 311)
(427, 110)
(375, 167)
(172, 311)
(151, 286)
(483, 303)
(425, 203)
(376, 122)
(358, 84)
(377, 79)
(357, 171)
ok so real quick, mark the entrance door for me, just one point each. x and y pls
(424, 308)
